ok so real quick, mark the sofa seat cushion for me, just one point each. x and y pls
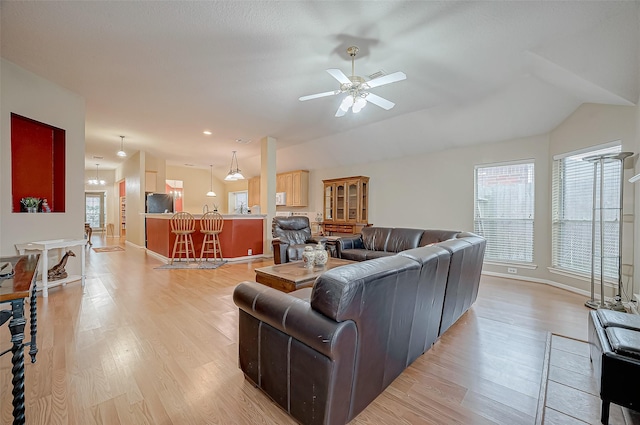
(364, 254)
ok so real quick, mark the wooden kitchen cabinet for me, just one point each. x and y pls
(254, 191)
(346, 204)
(296, 185)
(150, 181)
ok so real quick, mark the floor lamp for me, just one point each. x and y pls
(597, 217)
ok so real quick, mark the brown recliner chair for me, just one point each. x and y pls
(290, 236)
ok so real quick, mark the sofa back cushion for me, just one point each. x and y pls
(375, 238)
(436, 236)
(380, 297)
(467, 254)
(402, 239)
(430, 296)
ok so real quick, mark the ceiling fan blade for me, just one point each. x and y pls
(317, 95)
(380, 101)
(339, 75)
(386, 79)
(340, 112)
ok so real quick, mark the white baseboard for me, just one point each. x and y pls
(537, 280)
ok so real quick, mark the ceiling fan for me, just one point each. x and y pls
(357, 88)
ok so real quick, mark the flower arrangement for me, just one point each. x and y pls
(30, 203)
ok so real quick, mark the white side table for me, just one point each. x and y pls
(45, 246)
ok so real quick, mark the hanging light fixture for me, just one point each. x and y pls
(234, 173)
(97, 179)
(211, 193)
(121, 152)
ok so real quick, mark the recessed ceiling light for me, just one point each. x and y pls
(207, 132)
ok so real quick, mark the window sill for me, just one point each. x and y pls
(579, 276)
(529, 266)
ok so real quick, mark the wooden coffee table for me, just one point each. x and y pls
(288, 277)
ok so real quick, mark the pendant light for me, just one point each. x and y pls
(211, 193)
(234, 173)
(97, 179)
(121, 152)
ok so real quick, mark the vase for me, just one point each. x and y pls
(308, 256)
(32, 209)
(321, 257)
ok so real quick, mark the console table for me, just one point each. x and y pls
(44, 247)
(15, 290)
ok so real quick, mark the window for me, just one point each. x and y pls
(573, 213)
(94, 209)
(504, 209)
(238, 202)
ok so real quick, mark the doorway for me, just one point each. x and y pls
(94, 210)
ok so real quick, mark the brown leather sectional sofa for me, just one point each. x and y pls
(376, 242)
(324, 353)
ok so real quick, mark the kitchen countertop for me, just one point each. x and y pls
(167, 216)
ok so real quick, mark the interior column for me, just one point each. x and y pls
(268, 188)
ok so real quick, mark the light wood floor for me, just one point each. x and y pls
(145, 346)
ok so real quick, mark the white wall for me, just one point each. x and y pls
(28, 95)
(197, 182)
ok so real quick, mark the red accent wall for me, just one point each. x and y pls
(237, 237)
(37, 162)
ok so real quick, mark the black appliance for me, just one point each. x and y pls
(159, 203)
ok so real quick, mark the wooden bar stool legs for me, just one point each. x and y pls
(211, 226)
(183, 225)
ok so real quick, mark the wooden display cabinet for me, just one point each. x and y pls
(346, 204)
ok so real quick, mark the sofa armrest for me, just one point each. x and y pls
(316, 239)
(349, 242)
(279, 251)
(295, 317)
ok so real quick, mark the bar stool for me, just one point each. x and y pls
(211, 226)
(183, 225)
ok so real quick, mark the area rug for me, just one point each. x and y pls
(569, 390)
(110, 248)
(207, 265)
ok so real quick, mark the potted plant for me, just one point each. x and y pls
(30, 203)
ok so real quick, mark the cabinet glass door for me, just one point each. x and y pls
(353, 201)
(364, 202)
(328, 202)
(341, 202)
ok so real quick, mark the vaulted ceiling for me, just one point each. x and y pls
(160, 73)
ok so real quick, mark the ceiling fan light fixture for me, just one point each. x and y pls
(347, 102)
(359, 105)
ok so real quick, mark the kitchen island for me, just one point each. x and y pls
(241, 237)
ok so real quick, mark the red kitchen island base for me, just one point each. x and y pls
(241, 237)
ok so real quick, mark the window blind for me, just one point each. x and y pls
(573, 213)
(504, 211)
